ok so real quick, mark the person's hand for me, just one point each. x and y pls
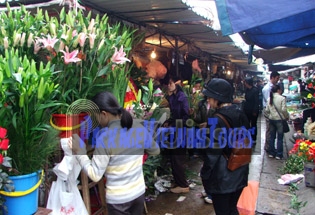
(165, 124)
(77, 145)
(203, 125)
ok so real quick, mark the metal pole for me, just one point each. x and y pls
(176, 57)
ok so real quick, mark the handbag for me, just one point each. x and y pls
(239, 156)
(285, 125)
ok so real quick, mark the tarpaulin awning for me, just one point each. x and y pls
(241, 15)
(294, 31)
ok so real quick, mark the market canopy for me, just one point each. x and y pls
(285, 29)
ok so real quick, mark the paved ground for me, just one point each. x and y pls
(272, 197)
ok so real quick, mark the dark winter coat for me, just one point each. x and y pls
(216, 177)
(251, 104)
(179, 107)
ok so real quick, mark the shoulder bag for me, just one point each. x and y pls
(285, 125)
(239, 156)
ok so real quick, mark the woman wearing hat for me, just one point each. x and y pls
(225, 186)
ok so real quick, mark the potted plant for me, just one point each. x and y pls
(26, 90)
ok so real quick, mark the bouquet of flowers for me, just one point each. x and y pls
(147, 102)
(304, 149)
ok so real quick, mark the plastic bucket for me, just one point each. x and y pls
(68, 124)
(24, 200)
(309, 173)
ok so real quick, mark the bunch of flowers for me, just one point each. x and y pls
(5, 162)
(86, 54)
(147, 102)
(194, 96)
(304, 149)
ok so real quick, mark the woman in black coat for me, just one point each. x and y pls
(224, 185)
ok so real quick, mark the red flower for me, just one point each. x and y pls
(3, 132)
(310, 85)
(1, 158)
(4, 144)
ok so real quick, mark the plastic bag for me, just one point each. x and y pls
(64, 196)
(246, 204)
(65, 202)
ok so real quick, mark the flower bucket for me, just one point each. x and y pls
(309, 173)
(24, 200)
(69, 124)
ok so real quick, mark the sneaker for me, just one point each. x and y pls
(208, 200)
(271, 156)
(278, 158)
(204, 194)
(180, 190)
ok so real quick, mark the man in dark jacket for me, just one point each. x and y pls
(251, 106)
(224, 185)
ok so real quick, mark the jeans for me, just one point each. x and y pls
(276, 129)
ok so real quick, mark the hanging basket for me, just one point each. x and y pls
(69, 124)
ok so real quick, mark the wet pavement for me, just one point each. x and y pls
(273, 198)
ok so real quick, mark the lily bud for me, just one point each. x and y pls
(6, 42)
(16, 39)
(30, 40)
(3, 32)
(92, 39)
(101, 44)
(61, 46)
(52, 27)
(91, 25)
(81, 39)
(22, 41)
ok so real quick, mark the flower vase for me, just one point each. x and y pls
(309, 173)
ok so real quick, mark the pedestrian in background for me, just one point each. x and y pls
(274, 78)
(251, 106)
(276, 106)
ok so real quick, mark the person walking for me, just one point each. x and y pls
(225, 186)
(251, 106)
(122, 166)
(274, 78)
(276, 106)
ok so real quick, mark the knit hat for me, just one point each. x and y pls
(219, 89)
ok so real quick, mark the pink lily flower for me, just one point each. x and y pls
(70, 57)
(48, 42)
(119, 56)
